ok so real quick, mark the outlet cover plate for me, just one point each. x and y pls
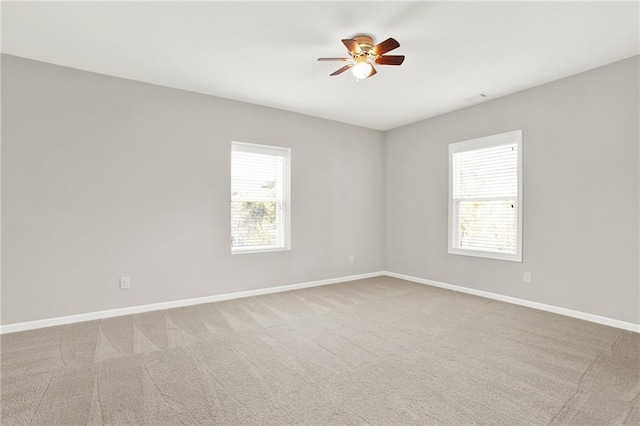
(125, 283)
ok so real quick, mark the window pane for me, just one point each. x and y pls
(488, 172)
(259, 204)
(253, 223)
(487, 226)
(255, 176)
(485, 178)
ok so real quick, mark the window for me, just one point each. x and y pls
(485, 197)
(260, 198)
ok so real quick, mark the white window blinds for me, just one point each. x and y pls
(259, 198)
(485, 197)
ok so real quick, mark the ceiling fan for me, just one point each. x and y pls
(363, 54)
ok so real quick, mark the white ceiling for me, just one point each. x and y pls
(265, 53)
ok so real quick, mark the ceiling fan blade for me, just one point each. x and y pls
(384, 47)
(341, 70)
(352, 46)
(334, 59)
(390, 60)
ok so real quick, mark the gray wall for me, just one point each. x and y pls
(580, 154)
(104, 177)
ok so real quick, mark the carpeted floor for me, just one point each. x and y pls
(377, 351)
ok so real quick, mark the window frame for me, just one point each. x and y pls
(481, 143)
(285, 218)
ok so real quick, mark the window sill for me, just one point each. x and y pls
(258, 250)
(487, 254)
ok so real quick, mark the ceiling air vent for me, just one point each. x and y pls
(479, 97)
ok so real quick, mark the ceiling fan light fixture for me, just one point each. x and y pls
(362, 70)
(363, 54)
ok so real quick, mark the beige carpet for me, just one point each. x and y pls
(376, 351)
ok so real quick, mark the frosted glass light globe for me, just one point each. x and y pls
(361, 70)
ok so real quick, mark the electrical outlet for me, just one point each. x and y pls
(526, 277)
(125, 283)
(352, 259)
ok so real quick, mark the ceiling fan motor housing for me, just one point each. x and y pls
(365, 42)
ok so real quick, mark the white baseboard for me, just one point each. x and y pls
(89, 316)
(522, 302)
